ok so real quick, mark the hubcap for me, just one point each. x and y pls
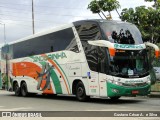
(80, 91)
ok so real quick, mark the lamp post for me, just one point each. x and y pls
(4, 28)
(33, 17)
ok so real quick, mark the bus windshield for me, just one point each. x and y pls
(122, 33)
(129, 63)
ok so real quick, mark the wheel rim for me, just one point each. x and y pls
(80, 91)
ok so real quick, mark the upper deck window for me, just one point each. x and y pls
(122, 33)
(56, 41)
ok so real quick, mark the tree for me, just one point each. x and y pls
(102, 6)
(146, 19)
(95, 7)
(156, 3)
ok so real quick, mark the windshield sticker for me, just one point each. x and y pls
(130, 72)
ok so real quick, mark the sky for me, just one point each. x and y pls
(17, 15)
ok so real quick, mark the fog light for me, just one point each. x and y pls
(115, 90)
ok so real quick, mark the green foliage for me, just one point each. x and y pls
(103, 5)
(155, 62)
(156, 3)
(93, 6)
(109, 5)
(146, 19)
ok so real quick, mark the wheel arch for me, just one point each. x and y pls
(74, 84)
(22, 81)
(13, 84)
(19, 83)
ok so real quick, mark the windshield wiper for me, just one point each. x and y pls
(119, 74)
(144, 73)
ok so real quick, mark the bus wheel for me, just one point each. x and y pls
(17, 89)
(80, 92)
(24, 90)
(115, 97)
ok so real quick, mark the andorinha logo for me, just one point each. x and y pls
(126, 46)
(49, 56)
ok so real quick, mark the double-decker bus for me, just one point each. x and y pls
(102, 58)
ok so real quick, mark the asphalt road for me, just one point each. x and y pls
(9, 102)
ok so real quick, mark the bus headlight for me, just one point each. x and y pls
(118, 83)
(148, 82)
(115, 82)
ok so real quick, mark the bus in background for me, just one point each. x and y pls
(1, 82)
(156, 87)
(86, 58)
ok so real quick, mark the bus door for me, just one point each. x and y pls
(98, 63)
(92, 59)
(103, 69)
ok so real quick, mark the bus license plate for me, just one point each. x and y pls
(135, 92)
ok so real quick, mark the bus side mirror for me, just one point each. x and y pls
(112, 51)
(156, 48)
(104, 43)
(157, 54)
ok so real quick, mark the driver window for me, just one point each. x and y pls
(89, 31)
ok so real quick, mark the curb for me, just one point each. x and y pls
(154, 95)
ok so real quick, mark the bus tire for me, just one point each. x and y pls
(24, 90)
(115, 98)
(17, 89)
(80, 92)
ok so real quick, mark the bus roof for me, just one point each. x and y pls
(64, 27)
(100, 21)
(42, 33)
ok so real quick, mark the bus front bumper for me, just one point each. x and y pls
(115, 90)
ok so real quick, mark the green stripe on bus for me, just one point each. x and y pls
(56, 82)
(42, 63)
(64, 74)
